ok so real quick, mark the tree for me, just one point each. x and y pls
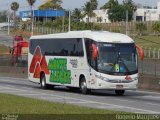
(76, 14)
(118, 11)
(14, 7)
(3, 16)
(31, 3)
(130, 5)
(88, 10)
(51, 4)
(141, 27)
(110, 4)
(94, 4)
(156, 27)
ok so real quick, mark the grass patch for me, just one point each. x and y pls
(10, 104)
(4, 49)
(148, 41)
(32, 109)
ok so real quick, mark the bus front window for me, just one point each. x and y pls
(117, 58)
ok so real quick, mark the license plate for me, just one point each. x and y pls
(119, 86)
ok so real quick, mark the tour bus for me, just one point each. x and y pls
(88, 60)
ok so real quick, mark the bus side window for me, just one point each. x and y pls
(31, 47)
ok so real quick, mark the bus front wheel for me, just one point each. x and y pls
(43, 81)
(119, 92)
(83, 86)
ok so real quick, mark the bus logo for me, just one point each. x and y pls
(38, 64)
(59, 72)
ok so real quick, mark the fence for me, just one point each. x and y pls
(9, 60)
(121, 27)
(147, 66)
(114, 26)
(150, 67)
(152, 53)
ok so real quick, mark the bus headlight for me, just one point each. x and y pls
(102, 78)
(134, 79)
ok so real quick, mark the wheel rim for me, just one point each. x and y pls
(83, 86)
(43, 82)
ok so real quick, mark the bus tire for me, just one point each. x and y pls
(83, 86)
(43, 81)
(119, 92)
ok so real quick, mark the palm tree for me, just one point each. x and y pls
(57, 3)
(88, 10)
(51, 4)
(14, 7)
(110, 4)
(76, 14)
(31, 3)
(94, 4)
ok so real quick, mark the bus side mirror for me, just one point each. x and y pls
(94, 52)
(141, 52)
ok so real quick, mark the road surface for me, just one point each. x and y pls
(5, 39)
(132, 101)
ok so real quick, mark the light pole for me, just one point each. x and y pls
(127, 28)
(32, 17)
(69, 24)
(8, 25)
(8, 19)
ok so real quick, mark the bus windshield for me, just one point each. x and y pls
(117, 58)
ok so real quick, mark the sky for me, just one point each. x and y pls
(67, 4)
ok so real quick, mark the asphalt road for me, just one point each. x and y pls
(132, 101)
(5, 39)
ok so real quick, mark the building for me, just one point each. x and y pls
(101, 17)
(42, 15)
(144, 14)
(141, 14)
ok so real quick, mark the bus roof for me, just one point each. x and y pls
(99, 36)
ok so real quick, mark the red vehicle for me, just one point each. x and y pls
(20, 49)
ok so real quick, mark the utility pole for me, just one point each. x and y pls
(32, 17)
(8, 19)
(127, 28)
(63, 24)
(8, 24)
(69, 26)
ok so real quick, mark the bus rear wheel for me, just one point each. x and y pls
(83, 86)
(119, 92)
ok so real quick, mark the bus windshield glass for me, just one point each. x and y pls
(117, 58)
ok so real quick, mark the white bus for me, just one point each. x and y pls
(84, 59)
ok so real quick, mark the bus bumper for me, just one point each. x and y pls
(117, 86)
